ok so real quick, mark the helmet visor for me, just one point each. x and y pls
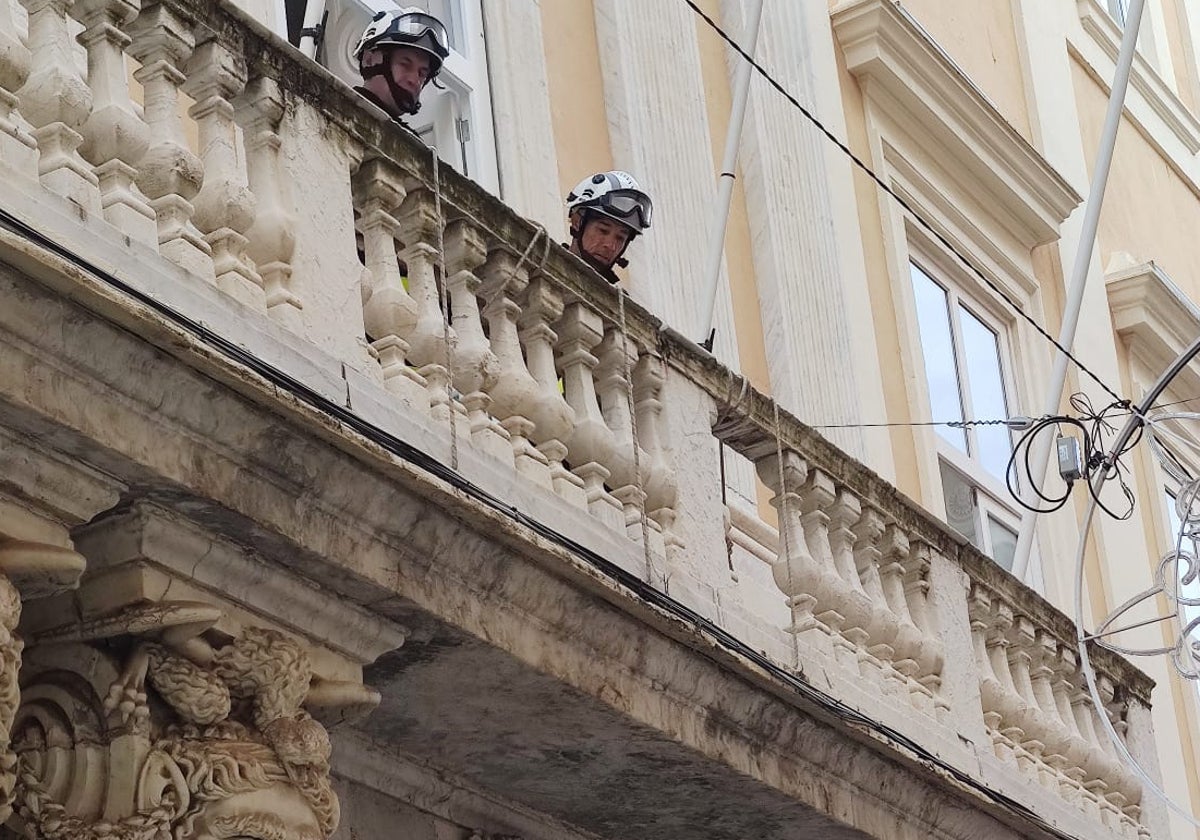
(415, 26)
(633, 206)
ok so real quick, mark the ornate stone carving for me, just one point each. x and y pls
(194, 737)
(10, 696)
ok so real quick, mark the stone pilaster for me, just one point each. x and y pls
(807, 289)
(659, 129)
(521, 110)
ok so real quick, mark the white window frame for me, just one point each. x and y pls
(1118, 9)
(991, 494)
(457, 118)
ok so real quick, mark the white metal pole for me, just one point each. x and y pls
(1083, 257)
(733, 135)
(314, 12)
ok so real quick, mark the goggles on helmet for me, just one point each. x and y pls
(629, 206)
(415, 26)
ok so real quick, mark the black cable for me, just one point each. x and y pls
(942, 240)
(618, 575)
(1094, 428)
(955, 424)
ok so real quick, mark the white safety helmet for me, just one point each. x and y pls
(614, 194)
(405, 27)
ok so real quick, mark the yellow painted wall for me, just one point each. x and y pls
(576, 90)
(980, 36)
(883, 311)
(1148, 205)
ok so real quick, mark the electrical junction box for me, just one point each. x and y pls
(1070, 461)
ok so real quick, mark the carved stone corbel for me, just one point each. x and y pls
(148, 725)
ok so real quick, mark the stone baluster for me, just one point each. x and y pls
(649, 378)
(906, 643)
(617, 354)
(389, 312)
(809, 585)
(57, 101)
(114, 136)
(169, 173)
(552, 416)
(591, 444)
(1077, 749)
(225, 207)
(991, 693)
(419, 230)
(475, 366)
(1032, 720)
(1057, 736)
(856, 606)
(818, 496)
(271, 240)
(515, 392)
(1125, 789)
(931, 652)
(877, 657)
(18, 148)
(1128, 794)
(1099, 769)
(1008, 702)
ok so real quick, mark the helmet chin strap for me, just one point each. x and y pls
(404, 101)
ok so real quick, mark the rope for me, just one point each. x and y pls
(537, 234)
(444, 302)
(637, 449)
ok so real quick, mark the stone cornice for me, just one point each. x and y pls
(1152, 315)
(907, 75)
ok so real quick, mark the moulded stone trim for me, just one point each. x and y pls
(1153, 315)
(911, 79)
(1099, 24)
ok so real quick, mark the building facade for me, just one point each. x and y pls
(340, 500)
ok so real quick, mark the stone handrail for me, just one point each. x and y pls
(315, 216)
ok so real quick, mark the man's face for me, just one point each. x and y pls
(603, 239)
(408, 67)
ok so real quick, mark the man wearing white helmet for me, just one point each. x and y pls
(606, 212)
(399, 53)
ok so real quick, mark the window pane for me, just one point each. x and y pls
(937, 348)
(987, 392)
(962, 510)
(1004, 542)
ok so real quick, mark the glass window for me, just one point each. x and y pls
(1118, 9)
(937, 348)
(1003, 541)
(964, 377)
(963, 373)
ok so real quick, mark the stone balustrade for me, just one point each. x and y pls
(310, 215)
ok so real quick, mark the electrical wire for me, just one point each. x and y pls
(706, 627)
(900, 200)
(954, 424)
(1094, 428)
